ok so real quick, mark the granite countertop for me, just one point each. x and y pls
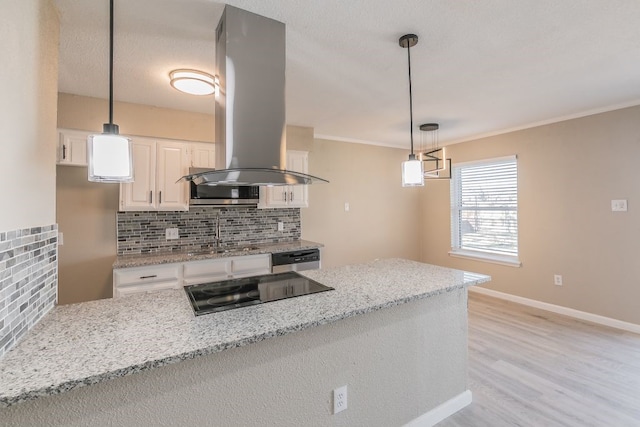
(139, 260)
(86, 343)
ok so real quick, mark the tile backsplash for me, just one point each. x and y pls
(144, 232)
(28, 280)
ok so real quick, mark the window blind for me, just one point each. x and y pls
(484, 211)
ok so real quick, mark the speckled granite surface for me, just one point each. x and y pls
(86, 343)
(125, 261)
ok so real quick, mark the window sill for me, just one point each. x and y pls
(507, 260)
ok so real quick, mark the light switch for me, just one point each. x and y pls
(619, 205)
(346, 207)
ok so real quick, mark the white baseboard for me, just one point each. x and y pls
(442, 411)
(577, 314)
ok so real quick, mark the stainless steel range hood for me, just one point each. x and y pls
(250, 106)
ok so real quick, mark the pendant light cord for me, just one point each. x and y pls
(410, 100)
(111, 64)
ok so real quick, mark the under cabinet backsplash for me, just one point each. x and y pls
(28, 280)
(144, 232)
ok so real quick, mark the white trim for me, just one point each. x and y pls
(552, 120)
(577, 314)
(358, 141)
(478, 136)
(442, 411)
(509, 261)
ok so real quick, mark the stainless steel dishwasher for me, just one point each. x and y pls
(307, 259)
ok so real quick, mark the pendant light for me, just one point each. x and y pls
(109, 154)
(412, 172)
(435, 162)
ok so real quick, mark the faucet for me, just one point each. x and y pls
(217, 239)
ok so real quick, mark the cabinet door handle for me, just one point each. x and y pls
(149, 277)
(160, 198)
(150, 196)
(64, 152)
(291, 199)
(284, 194)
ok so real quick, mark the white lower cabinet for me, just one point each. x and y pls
(128, 281)
(210, 270)
(251, 265)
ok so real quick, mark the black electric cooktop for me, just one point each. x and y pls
(235, 293)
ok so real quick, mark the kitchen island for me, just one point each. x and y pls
(393, 330)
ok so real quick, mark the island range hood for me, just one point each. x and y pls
(250, 104)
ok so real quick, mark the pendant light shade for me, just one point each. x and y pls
(110, 158)
(109, 155)
(412, 173)
(412, 170)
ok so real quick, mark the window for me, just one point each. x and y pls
(484, 210)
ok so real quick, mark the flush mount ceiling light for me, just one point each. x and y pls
(436, 165)
(412, 169)
(193, 82)
(109, 154)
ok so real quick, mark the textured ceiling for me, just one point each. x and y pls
(480, 67)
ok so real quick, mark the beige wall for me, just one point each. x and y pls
(85, 113)
(86, 211)
(384, 218)
(29, 34)
(568, 174)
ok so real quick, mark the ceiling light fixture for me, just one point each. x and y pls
(436, 165)
(193, 82)
(412, 169)
(109, 154)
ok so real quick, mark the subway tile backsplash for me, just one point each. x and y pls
(144, 232)
(28, 280)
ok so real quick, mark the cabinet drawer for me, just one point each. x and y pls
(124, 291)
(251, 265)
(207, 268)
(151, 274)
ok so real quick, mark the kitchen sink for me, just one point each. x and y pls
(208, 252)
(222, 250)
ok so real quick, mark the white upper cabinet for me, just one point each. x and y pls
(288, 196)
(140, 194)
(156, 168)
(202, 155)
(172, 164)
(72, 147)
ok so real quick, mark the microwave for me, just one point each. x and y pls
(222, 195)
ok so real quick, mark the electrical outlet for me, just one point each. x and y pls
(60, 238)
(339, 399)
(619, 205)
(347, 207)
(172, 233)
(280, 226)
(557, 280)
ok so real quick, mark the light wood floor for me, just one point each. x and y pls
(529, 367)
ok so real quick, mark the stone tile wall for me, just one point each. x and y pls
(28, 280)
(144, 232)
